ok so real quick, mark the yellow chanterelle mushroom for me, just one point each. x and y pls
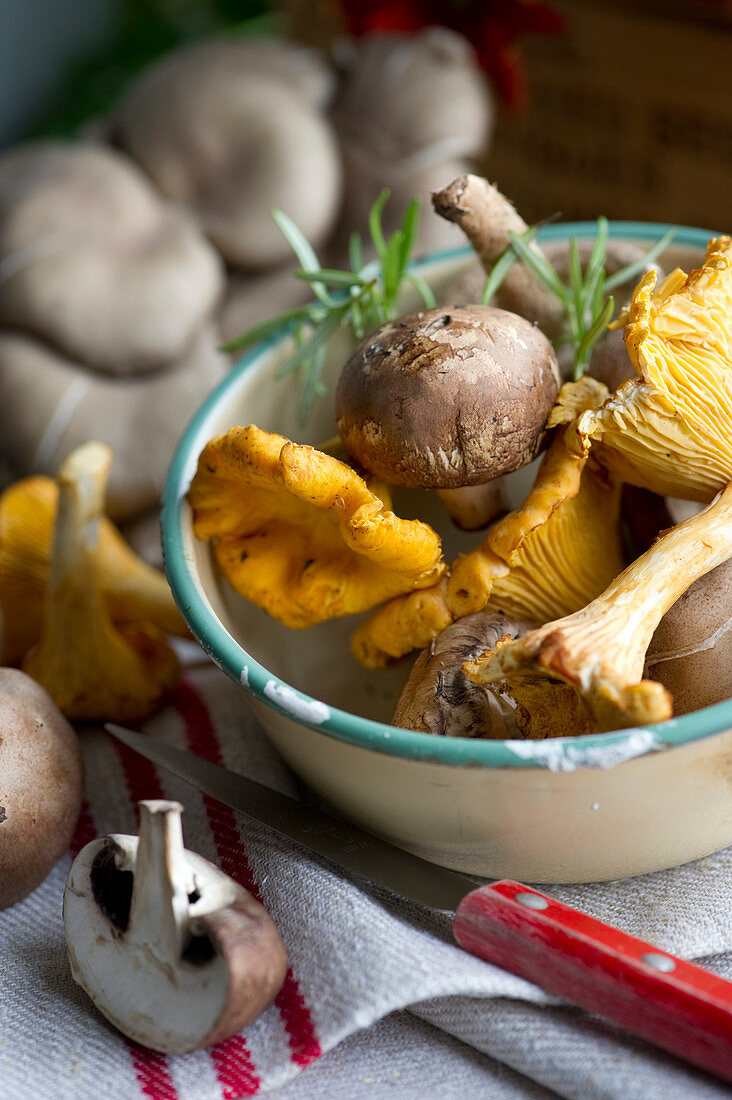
(550, 557)
(133, 591)
(671, 429)
(300, 534)
(92, 668)
(583, 673)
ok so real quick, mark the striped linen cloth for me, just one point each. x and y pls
(378, 1001)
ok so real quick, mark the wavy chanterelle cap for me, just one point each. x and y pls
(548, 558)
(583, 673)
(300, 533)
(671, 429)
(133, 590)
(92, 668)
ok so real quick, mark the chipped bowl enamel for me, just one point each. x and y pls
(573, 809)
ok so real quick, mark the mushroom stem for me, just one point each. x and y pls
(162, 883)
(599, 651)
(485, 217)
(474, 506)
(91, 668)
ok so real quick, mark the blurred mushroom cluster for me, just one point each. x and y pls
(129, 255)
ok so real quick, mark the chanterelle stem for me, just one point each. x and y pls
(599, 651)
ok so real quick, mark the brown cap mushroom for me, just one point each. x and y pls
(691, 651)
(231, 129)
(40, 785)
(96, 263)
(447, 398)
(170, 949)
(438, 697)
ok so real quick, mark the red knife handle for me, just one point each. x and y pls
(674, 1004)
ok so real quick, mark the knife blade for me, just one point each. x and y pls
(679, 1007)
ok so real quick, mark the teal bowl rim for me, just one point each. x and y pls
(567, 753)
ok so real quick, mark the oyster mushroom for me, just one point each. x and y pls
(447, 399)
(411, 110)
(132, 590)
(95, 263)
(230, 129)
(486, 216)
(584, 672)
(670, 430)
(438, 698)
(549, 557)
(171, 950)
(92, 668)
(300, 533)
(59, 404)
(40, 785)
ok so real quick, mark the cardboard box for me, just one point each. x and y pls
(630, 116)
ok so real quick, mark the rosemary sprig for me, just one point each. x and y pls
(587, 303)
(362, 298)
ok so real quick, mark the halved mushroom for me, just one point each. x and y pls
(96, 263)
(671, 430)
(447, 399)
(549, 557)
(300, 533)
(171, 950)
(231, 128)
(438, 698)
(133, 591)
(583, 673)
(92, 668)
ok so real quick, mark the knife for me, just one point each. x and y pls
(671, 1003)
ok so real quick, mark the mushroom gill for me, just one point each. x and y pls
(670, 430)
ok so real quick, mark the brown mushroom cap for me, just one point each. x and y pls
(40, 785)
(439, 698)
(447, 397)
(691, 650)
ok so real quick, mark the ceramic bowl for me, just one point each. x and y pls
(577, 809)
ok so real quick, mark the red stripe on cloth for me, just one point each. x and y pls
(151, 1069)
(202, 740)
(231, 1058)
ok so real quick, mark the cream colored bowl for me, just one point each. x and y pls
(566, 810)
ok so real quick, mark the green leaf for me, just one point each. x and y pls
(355, 252)
(317, 339)
(330, 277)
(424, 289)
(266, 328)
(637, 266)
(539, 266)
(591, 336)
(377, 234)
(302, 248)
(410, 224)
(575, 271)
